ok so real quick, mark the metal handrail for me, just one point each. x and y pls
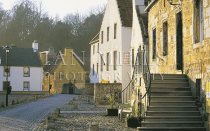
(147, 94)
(132, 78)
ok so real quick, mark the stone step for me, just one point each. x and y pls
(170, 89)
(172, 118)
(169, 79)
(171, 84)
(182, 80)
(173, 103)
(171, 93)
(171, 128)
(167, 76)
(173, 124)
(173, 113)
(172, 108)
(171, 98)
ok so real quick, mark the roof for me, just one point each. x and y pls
(95, 39)
(126, 12)
(143, 21)
(52, 67)
(150, 5)
(20, 57)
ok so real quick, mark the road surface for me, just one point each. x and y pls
(25, 117)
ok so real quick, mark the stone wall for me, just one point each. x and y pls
(196, 56)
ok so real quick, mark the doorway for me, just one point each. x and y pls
(179, 42)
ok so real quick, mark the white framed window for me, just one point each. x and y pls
(93, 49)
(107, 61)
(115, 30)
(107, 35)
(102, 62)
(102, 37)
(26, 71)
(26, 86)
(115, 60)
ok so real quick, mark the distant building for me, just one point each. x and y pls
(25, 70)
(95, 57)
(64, 73)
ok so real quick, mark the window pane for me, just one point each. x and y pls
(165, 39)
(154, 44)
(115, 60)
(26, 86)
(107, 61)
(115, 31)
(107, 33)
(26, 71)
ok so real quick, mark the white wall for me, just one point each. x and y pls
(126, 44)
(16, 78)
(111, 17)
(94, 60)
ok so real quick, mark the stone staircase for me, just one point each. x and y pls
(172, 106)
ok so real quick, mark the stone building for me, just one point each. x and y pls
(179, 43)
(65, 72)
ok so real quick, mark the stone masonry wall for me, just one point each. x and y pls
(196, 56)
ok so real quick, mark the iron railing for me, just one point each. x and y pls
(127, 91)
(147, 94)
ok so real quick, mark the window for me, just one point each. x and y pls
(107, 61)
(115, 31)
(6, 71)
(133, 61)
(93, 70)
(93, 49)
(98, 48)
(115, 60)
(154, 44)
(198, 25)
(102, 37)
(97, 68)
(26, 86)
(107, 33)
(61, 75)
(165, 39)
(102, 62)
(5, 85)
(26, 71)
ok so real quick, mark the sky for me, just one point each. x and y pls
(62, 7)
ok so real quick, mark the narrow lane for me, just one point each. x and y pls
(25, 117)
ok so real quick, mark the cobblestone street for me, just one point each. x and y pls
(77, 115)
(25, 117)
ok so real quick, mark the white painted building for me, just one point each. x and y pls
(111, 60)
(94, 62)
(139, 41)
(25, 70)
(113, 55)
